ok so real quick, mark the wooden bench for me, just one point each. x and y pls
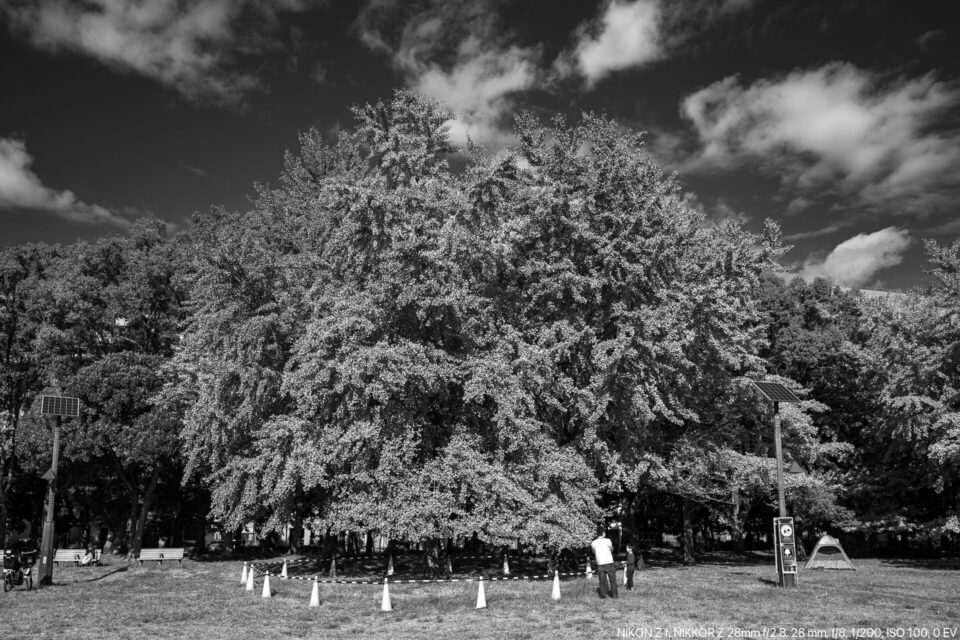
(69, 555)
(161, 554)
(75, 556)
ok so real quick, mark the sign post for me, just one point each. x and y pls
(785, 544)
(784, 540)
(53, 406)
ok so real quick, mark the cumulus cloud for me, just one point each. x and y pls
(629, 34)
(188, 45)
(22, 190)
(458, 53)
(854, 262)
(837, 127)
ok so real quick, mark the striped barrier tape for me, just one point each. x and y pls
(422, 580)
(418, 557)
(420, 554)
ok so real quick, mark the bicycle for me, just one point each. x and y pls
(18, 569)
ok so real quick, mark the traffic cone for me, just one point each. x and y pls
(390, 566)
(266, 586)
(333, 567)
(556, 585)
(315, 594)
(283, 572)
(506, 566)
(385, 602)
(243, 575)
(481, 596)
(250, 578)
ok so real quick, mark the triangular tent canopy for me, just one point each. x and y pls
(829, 554)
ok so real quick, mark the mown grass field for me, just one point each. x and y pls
(722, 596)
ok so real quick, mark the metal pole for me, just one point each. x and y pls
(787, 580)
(46, 545)
(779, 448)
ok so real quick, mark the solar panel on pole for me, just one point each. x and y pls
(776, 392)
(784, 552)
(58, 406)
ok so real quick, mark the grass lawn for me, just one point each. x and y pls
(722, 595)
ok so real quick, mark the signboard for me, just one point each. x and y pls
(785, 547)
(59, 406)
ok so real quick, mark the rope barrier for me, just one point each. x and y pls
(378, 581)
(320, 560)
(411, 554)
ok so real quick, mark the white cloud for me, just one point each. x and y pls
(457, 53)
(631, 34)
(477, 89)
(628, 36)
(836, 127)
(854, 262)
(188, 45)
(21, 189)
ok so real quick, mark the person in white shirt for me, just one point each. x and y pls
(606, 569)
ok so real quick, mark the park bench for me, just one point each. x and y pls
(75, 556)
(161, 554)
(69, 555)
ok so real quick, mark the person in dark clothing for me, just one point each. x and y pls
(630, 565)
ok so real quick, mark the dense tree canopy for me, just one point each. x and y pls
(404, 338)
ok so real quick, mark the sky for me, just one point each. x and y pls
(839, 119)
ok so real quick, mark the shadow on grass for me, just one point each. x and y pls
(107, 574)
(768, 581)
(924, 563)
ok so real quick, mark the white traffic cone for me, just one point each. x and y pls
(250, 578)
(315, 594)
(589, 569)
(481, 596)
(556, 586)
(390, 566)
(283, 572)
(243, 575)
(266, 587)
(506, 566)
(385, 602)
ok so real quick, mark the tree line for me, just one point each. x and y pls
(405, 339)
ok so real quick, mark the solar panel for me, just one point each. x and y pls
(776, 392)
(59, 406)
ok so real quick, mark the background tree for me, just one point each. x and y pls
(21, 271)
(109, 318)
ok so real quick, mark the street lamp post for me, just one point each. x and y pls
(57, 406)
(778, 445)
(784, 532)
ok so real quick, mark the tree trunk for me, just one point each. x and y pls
(296, 532)
(736, 523)
(687, 509)
(142, 520)
(131, 526)
(3, 517)
(237, 542)
(6, 474)
(628, 521)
